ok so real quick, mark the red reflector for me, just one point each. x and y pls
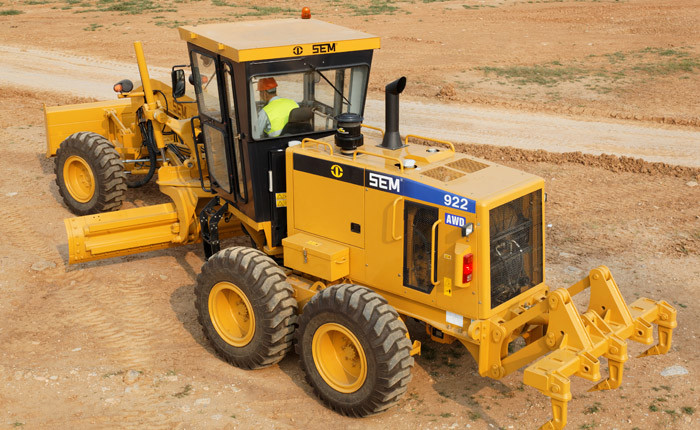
(467, 268)
(305, 13)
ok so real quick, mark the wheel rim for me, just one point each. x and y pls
(79, 179)
(339, 358)
(231, 314)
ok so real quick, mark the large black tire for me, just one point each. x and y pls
(354, 350)
(246, 307)
(89, 174)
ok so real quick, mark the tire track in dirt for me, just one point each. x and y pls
(20, 234)
(119, 316)
(121, 420)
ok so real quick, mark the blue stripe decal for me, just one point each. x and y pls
(417, 190)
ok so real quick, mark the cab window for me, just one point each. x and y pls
(304, 102)
(206, 85)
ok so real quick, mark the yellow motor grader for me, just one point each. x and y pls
(352, 229)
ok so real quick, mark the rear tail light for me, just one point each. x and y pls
(467, 268)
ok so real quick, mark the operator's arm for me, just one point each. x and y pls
(263, 124)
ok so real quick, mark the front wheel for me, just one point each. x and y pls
(354, 350)
(89, 174)
(246, 307)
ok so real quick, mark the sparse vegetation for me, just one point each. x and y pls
(545, 74)
(477, 6)
(125, 7)
(172, 24)
(92, 27)
(186, 391)
(266, 11)
(688, 410)
(594, 408)
(10, 12)
(375, 7)
(110, 374)
(602, 74)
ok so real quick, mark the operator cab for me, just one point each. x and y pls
(260, 87)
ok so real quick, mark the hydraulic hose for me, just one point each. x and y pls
(149, 142)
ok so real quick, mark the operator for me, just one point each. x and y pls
(274, 116)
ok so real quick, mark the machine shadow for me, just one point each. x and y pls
(447, 363)
(182, 304)
(182, 299)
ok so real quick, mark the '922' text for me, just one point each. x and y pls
(456, 202)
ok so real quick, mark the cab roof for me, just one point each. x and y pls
(276, 38)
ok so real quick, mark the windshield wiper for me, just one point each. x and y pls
(329, 82)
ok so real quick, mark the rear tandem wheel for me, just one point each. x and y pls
(354, 350)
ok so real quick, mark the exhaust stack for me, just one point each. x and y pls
(392, 138)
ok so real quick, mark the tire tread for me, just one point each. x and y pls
(269, 285)
(385, 333)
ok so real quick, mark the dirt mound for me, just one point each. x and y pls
(609, 162)
(447, 92)
(25, 103)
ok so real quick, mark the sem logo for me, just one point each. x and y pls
(382, 182)
(455, 220)
(336, 171)
(297, 50)
(323, 48)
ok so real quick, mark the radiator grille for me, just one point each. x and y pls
(516, 247)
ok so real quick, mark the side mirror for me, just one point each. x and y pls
(123, 86)
(178, 80)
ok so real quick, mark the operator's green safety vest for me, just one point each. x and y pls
(277, 111)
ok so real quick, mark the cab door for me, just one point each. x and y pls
(213, 81)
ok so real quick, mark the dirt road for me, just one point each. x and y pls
(93, 77)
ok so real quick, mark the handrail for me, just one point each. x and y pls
(197, 156)
(432, 252)
(317, 142)
(386, 157)
(393, 220)
(452, 147)
(373, 128)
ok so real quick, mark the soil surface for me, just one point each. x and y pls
(116, 344)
